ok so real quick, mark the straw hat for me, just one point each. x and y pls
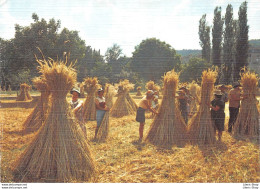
(75, 90)
(217, 93)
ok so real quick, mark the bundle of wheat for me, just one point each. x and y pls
(59, 151)
(103, 130)
(201, 128)
(128, 96)
(194, 88)
(123, 106)
(247, 123)
(82, 90)
(35, 120)
(150, 85)
(139, 91)
(89, 106)
(168, 127)
(24, 93)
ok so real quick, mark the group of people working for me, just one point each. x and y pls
(150, 102)
(217, 106)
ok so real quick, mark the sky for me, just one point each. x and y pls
(102, 23)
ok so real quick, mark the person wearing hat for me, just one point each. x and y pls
(234, 104)
(144, 104)
(217, 113)
(76, 106)
(101, 108)
(223, 90)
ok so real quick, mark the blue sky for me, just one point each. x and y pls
(101, 23)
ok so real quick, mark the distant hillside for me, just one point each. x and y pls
(254, 42)
(187, 52)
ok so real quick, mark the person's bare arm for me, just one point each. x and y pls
(150, 108)
(99, 107)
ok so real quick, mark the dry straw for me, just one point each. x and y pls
(103, 130)
(168, 127)
(35, 120)
(24, 93)
(59, 151)
(139, 91)
(89, 106)
(124, 105)
(247, 123)
(194, 92)
(150, 85)
(201, 128)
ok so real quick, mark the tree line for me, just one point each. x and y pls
(229, 47)
(150, 60)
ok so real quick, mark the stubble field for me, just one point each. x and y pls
(121, 159)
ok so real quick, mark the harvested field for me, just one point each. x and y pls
(122, 159)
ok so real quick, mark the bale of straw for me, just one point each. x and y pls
(124, 104)
(103, 130)
(247, 123)
(201, 130)
(168, 127)
(59, 151)
(138, 91)
(89, 106)
(24, 93)
(194, 88)
(36, 118)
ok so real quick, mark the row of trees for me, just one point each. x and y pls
(229, 49)
(150, 60)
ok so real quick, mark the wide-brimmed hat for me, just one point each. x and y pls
(236, 84)
(218, 93)
(75, 90)
(100, 90)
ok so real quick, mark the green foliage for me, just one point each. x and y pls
(193, 70)
(254, 43)
(152, 58)
(242, 41)
(228, 45)
(204, 35)
(217, 32)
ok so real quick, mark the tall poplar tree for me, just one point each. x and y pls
(228, 45)
(217, 32)
(242, 41)
(204, 35)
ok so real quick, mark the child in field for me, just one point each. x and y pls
(144, 104)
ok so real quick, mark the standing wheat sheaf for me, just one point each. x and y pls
(59, 151)
(24, 93)
(124, 105)
(89, 107)
(201, 128)
(168, 127)
(35, 120)
(247, 123)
